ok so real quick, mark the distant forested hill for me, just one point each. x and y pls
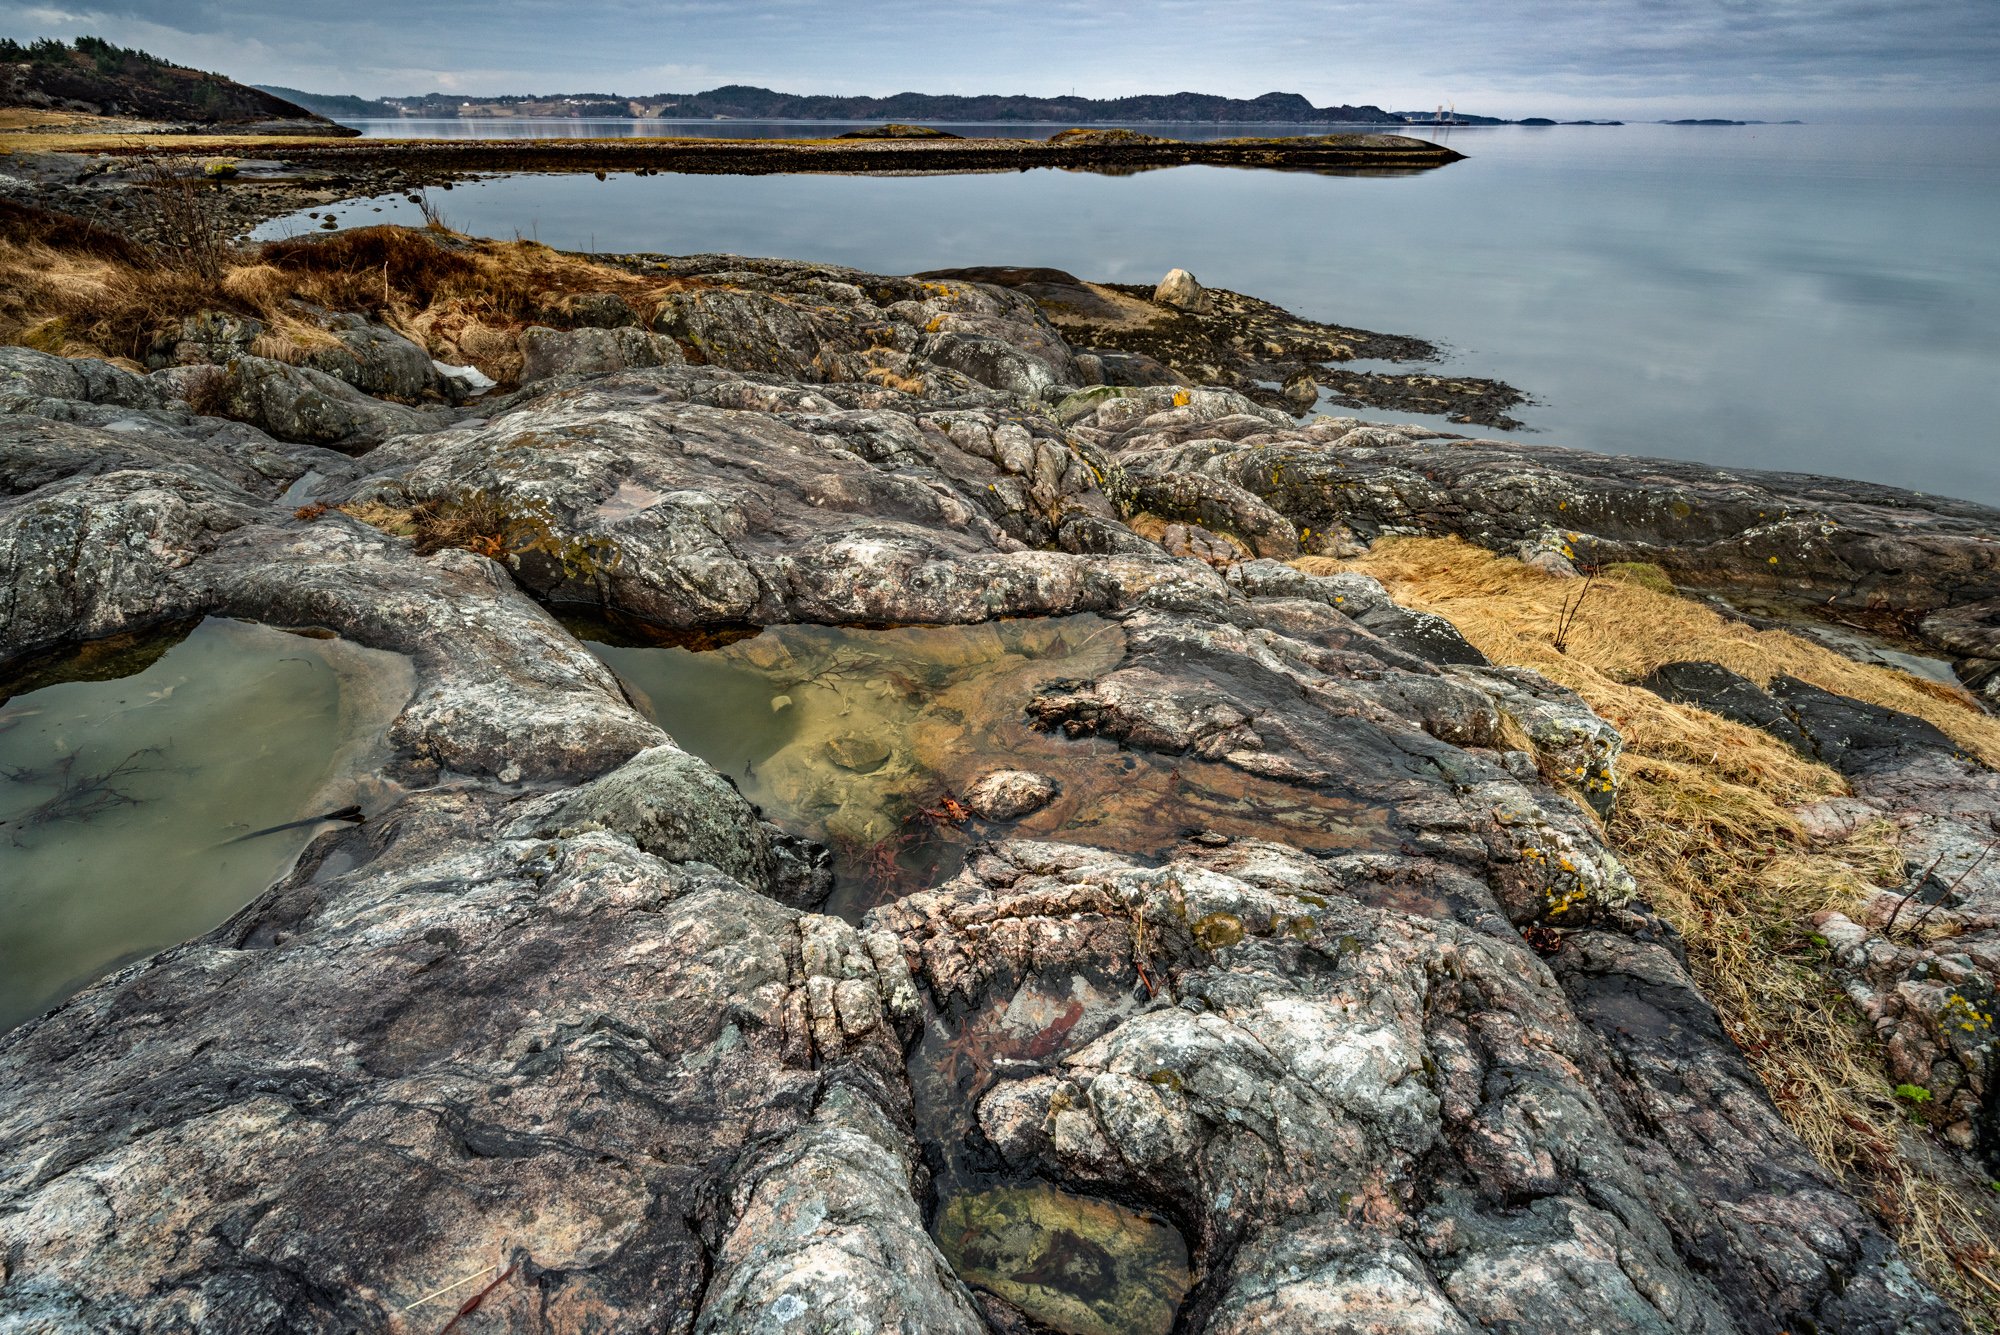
(92, 75)
(742, 102)
(763, 104)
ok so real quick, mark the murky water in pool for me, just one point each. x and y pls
(850, 736)
(124, 799)
(1081, 1266)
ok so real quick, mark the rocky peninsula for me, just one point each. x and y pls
(1526, 942)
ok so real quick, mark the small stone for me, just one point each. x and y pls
(1180, 289)
(1010, 794)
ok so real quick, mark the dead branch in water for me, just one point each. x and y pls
(78, 798)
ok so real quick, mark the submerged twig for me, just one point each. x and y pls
(347, 813)
(78, 799)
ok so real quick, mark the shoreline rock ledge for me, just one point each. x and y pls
(562, 1033)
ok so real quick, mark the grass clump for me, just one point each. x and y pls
(69, 287)
(1702, 822)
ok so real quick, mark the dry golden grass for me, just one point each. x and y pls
(32, 130)
(69, 288)
(1632, 622)
(1702, 823)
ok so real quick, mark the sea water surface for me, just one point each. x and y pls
(1817, 298)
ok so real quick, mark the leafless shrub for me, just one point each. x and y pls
(192, 231)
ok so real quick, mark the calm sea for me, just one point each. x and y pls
(1820, 298)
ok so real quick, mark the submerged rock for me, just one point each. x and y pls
(1075, 1265)
(1010, 794)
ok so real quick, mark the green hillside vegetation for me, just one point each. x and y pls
(93, 75)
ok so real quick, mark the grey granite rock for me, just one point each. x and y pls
(556, 1030)
(590, 351)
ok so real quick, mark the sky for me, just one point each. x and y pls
(1628, 59)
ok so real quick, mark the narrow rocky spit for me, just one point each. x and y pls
(560, 1036)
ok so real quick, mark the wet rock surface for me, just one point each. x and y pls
(561, 1032)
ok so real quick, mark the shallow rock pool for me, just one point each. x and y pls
(867, 740)
(136, 772)
(1071, 1263)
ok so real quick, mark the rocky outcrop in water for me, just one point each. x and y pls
(1180, 332)
(1923, 566)
(561, 1032)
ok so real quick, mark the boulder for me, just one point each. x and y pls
(546, 353)
(294, 403)
(208, 338)
(1180, 290)
(1300, 390)
(373, 358)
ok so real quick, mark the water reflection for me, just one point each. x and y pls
(1820, 298)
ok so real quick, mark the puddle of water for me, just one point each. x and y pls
(849, 736)
(131, 769)
(1076, 1265)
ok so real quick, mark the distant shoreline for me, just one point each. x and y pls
(756, 157)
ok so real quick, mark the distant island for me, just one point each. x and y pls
(743, 102)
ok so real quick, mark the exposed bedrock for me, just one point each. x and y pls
(558, 1030)
(1361, 1111)
(1925, 566)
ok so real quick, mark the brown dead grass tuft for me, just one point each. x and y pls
(1702, 823)
(71, 288)
(104, 307)
(22, 224)
(371, 269)
(473, 521)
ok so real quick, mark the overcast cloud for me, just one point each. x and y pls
(1772, 59)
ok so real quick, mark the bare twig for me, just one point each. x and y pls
(1566, 619)
(1917, 928)
(471, 1304)
(452, 1287)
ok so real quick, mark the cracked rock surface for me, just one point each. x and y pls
(561, 1028)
